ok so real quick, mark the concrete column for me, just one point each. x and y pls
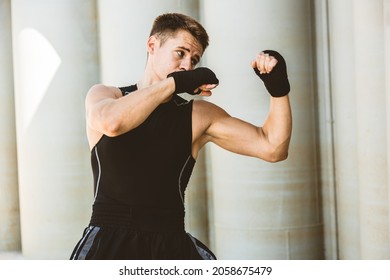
(325, 128)
(371, 133)
(343, 89)
(264, 210)
(386, 17)
(124, 30)
(359, 102)
(9, 198)
(56, 61)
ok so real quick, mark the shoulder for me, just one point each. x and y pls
(100, 91)
(104, 89)
(208, 110)
(204, 117)
(205, 114)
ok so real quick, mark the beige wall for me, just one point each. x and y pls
(9, 202)
(357, 43)
(55, 62)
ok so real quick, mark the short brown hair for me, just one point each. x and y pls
(166, 25)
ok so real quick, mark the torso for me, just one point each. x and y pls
(199, 126)
(150, 165)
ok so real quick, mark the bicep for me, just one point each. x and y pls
(237, 136)
(228, 132)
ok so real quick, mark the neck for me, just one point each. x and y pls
(147, 79)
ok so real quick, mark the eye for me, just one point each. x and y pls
(180, 54)
(194, 62)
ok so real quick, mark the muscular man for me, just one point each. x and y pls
(145, 139)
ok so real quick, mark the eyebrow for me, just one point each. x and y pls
(197, 57)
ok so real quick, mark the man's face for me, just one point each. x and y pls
(178, 53)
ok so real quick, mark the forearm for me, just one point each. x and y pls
(138, 106)
(278, 126)
(271, 68)
(117, 116)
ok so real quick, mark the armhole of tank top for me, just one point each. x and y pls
(127, 89)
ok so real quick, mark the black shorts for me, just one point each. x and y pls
(123, 243)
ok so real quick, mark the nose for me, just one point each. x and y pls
(186, 64)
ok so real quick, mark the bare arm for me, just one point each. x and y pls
(278, 127)
(269, 142)
(110, 113)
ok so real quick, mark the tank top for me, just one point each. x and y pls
(140, 176)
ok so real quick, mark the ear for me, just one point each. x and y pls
(152, 43)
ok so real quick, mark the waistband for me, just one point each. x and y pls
(137, 218)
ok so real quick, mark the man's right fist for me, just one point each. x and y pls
(189, 81)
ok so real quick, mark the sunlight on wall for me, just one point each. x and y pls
(40, 64)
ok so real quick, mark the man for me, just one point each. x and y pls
(145, 139)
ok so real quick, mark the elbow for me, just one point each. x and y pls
(277, 157)
(113, 125)
(277, 153)
(111, 129)
(110, 126)
(275, 147)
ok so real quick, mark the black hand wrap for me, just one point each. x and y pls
(189, 81)
(276, 81)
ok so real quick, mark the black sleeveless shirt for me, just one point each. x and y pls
(142, 174)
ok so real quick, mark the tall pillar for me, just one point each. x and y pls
(9, 199)
(386, 17)
(345, 126)
(55, 63)
(124, 30)
(372, 142)
(360, 137)
(325, 128)
(264, 210)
